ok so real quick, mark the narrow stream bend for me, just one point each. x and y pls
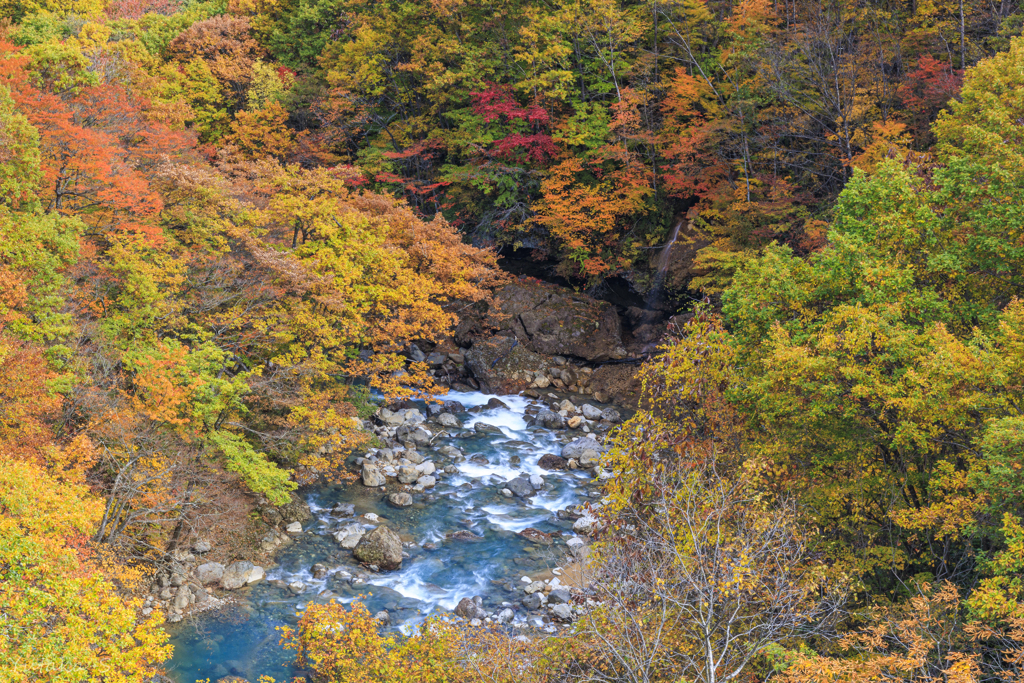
(441, 569)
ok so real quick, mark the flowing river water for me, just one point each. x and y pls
(241, 639)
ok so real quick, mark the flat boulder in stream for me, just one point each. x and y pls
(381, 547)
(400, 499)
(448, 420)
(484, 428)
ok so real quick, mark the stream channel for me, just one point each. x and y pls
(241, 639)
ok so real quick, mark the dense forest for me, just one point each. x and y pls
(223, 224)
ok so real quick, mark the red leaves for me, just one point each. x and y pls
(930, 85)
(537, 148)
(497, 102)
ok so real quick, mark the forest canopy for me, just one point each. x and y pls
(222, 224)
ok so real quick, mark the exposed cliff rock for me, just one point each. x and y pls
(549, 320)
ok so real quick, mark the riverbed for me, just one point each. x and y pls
(442, 567)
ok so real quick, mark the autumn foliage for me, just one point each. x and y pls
(222, 223)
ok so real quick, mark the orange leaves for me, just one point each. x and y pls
(26, 402)
(585, 216)
(99, 150)
(161, 390)
(920, 641)
(227, 46)
(262, 133)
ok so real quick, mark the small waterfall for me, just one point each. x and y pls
(663, 258)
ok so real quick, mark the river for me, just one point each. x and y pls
(242, 639)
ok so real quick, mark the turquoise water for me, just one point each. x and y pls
(242, 640)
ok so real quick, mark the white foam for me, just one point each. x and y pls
(510, 523)
(410, 583)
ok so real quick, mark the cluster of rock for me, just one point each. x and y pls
(564, 414)
(542, 602)
(186, 583)
(178, 588)
(562, 376)
(409, 471)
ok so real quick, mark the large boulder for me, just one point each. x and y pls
(562, 612)
(209, 572)
(548, 419)
(400, 499)
(381, 547)
(372, 475)
(239, 574)
(611, 415)
(521, 487)
(550, 461)
(448, 420)
(407, 474)
(471, 608)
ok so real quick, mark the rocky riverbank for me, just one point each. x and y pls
(478, 507)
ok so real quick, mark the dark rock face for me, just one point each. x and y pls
(470, 608)
(492, 361)
(520, 487)
(532, 319)
(551, 462)
(556, 321)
